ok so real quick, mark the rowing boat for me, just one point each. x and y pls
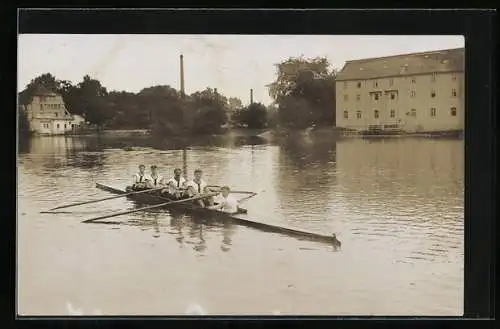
(239, 218)
(151, 199)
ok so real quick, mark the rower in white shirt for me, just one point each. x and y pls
(155, 180)
(139, 179)
(225, 201)
(176, 186)
(197, 186)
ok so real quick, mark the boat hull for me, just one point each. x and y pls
(237, 218)
(152, 199)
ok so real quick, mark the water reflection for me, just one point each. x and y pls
(396, 205)
(405, 189)
(306, 177)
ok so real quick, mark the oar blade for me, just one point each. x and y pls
(149, 207)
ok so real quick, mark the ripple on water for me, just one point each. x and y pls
(380, 198)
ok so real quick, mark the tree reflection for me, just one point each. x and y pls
(307, 171)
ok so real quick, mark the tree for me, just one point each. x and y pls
(46, 81)
(210, 111)
(304, 91)
(163, 108)
(234, 104)
(23, 123)
(254, 116)
(88, 98)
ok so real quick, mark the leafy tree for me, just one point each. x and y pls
(254, 116)
(210, 111)
(162, 107)
(304, 91)
(23, 123)
(46, 81)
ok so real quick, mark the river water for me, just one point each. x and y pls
(397, 206)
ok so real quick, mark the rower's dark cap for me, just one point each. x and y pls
(154, 167)
(198, 170)
(177, 169)
(142, 166)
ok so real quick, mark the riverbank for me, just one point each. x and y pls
(256, 136)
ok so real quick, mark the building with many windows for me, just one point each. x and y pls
(47, 114)
(419, 92)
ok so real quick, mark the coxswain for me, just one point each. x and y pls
(139, 179)
(155, 180)
(225, 202)
(176, 186)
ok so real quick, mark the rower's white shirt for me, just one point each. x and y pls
(173, 182)
(137, 178)
(197, 189)
(159, 180)
(228, 204)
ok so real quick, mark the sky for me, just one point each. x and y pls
(233, 64)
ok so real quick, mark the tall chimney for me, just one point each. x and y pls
(182, 75)
(251, 96)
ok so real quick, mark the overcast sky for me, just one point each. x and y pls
(231, 63)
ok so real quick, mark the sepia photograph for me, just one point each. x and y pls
(232, 174)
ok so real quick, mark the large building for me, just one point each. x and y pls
(419, 92)
(47, 114)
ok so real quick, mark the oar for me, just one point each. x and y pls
(107, 198)
(233, 192)
(150, 207)
(250, 196)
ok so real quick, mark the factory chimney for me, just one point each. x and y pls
(182, 75)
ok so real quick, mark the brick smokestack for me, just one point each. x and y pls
(251, 96)
(182, 75)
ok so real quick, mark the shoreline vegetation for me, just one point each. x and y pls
(303, 95)
(303, 104)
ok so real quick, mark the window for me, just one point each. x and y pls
(433, 77)
(413, 80)
(375, 83)
(454, 92)
(72, 125)
(56, 114)
(358, 97)
(391, 81)
(433, 93)
(64, 126)
(376, 97)
(358, 114)
(346, 97)
(58, 126)
(359, 84)
(346, 114)
(393, 96)
(453, 111)
(375, 114)
(453, 77)
(412, 93)
(413, 112)
(345, 84)
(433, 112)
(393, 113)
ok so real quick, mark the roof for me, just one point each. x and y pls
(447, 60)
(42, 91)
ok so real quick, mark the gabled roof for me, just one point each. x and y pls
(448, 60)
(42, 91)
